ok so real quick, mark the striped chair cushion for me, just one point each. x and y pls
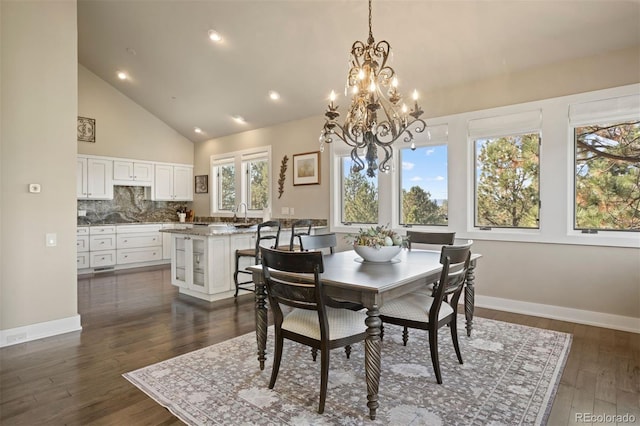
(342, 323)
(413, 307)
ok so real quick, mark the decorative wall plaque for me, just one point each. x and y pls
(86, 129)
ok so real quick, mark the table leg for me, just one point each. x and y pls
(261, 318)
(372, 359)
(469, 295)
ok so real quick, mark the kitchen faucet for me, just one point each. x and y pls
(245, 211)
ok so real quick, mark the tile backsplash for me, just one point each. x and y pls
(129, 205)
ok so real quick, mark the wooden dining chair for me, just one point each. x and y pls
(312, 318)
(431, 238)
(432, 313)
(318, 242)
(254, 252)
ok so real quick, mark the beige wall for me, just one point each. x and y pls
(588, 278)
(295, 137)
(124, 128)
(612, 69)
(39, 104)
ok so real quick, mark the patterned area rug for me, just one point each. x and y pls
(509, 377)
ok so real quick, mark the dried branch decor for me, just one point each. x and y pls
(283, 169)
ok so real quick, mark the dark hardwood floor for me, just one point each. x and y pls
(134, 319)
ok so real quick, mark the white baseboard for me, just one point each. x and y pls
(40, 330)
(597, 319)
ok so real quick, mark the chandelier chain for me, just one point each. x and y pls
(370, 26)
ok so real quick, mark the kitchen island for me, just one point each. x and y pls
(203, 261)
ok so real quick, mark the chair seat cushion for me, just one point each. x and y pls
(342, 323)
(413, 307)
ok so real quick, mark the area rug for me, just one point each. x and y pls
(509, 376)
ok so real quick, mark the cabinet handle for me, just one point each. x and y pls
(126, 255)
(102, 258)
(125, 241)
(154, 253)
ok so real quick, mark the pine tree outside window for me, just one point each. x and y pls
(423, 185)
(359, 195)
(607, 177)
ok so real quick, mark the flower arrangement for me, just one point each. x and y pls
(378, 236)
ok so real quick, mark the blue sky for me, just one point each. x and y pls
(426, 167)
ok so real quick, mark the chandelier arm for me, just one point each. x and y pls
(343, 135)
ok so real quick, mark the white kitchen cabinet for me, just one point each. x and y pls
(102, 244)
(200, 265)
(132, 173)
(94, 178)
(101, 259)
(138, 243)
(82, 247)
(173, 183)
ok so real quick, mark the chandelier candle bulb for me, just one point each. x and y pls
(376, 118)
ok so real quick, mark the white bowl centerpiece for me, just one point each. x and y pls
(377, 244)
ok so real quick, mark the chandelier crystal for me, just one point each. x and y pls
(377, 117)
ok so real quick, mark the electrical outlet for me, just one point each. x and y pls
(291, 211)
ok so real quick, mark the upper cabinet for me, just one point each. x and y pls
(94, 178)
(164, 181)
(173, 183)
(132, 173)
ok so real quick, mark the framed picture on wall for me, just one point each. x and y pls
(202, 184)
(306, 168)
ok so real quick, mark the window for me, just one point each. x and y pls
(225, 176)
(359, 194)
(607, 178)
(423, 185)
(249, 185)
(257, 183)
(507, 183)
(507, 169)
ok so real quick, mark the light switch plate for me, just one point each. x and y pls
(284, 210)
(51, 240)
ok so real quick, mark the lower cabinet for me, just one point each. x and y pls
(200, 266)
(110, 247)
(138, 243)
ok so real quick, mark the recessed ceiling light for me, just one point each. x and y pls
(215, 36)
(122, 75)
(198, 130)
(274, 95)
(239, 119)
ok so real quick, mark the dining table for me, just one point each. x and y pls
(349, 278)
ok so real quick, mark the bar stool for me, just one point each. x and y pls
(255, 252)
(299, 228)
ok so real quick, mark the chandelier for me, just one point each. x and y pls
(377, 117)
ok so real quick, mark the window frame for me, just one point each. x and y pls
(435, 135)
(612, 109)
(239, 159)
(473, 141)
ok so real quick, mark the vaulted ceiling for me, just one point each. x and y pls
(300, 48)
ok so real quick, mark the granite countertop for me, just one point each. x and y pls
(212, 231)
(217, 230)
